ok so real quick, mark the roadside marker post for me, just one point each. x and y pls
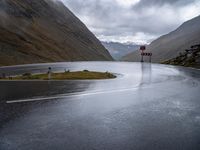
(49, 73)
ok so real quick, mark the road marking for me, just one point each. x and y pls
(35, 99)
(70, 95)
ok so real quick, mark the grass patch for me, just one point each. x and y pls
(67, 75)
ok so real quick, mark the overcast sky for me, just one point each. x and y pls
(139, 21)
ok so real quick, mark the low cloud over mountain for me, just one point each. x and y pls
(139, 21)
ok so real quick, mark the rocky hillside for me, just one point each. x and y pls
(189, 58)
(170, 45)
(34, 31)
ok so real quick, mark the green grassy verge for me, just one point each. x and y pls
(79, 75)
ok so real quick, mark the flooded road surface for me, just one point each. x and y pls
(149, 106)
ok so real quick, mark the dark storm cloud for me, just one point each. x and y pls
(128, 20)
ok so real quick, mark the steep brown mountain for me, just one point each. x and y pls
(35, 31)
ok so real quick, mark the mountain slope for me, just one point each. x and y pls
(170, 45)
(189, 58)
(118, 50)
(44, 31)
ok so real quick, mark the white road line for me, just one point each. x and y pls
(70, 95)
(34, 99)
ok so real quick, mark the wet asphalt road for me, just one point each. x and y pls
(149, 106)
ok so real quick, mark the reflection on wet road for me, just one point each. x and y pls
(148, 106)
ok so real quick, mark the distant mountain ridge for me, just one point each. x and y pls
(170, 45)
(44, 31)
(118, 50)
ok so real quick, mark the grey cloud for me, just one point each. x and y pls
(108, 18)
(163, 2)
